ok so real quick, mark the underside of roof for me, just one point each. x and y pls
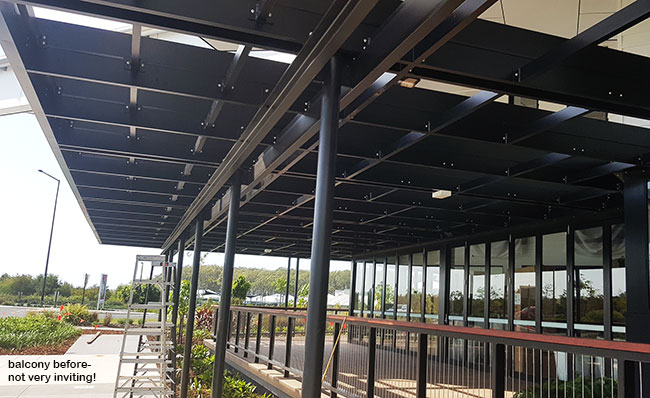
(149, 131)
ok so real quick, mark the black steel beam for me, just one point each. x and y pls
(337, 25)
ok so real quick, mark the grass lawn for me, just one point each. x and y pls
(36, 332)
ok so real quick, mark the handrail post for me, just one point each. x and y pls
(271, 342)
(287, 350)
(335, 360)
(248, 334)
(372, 345)
(215, 316)
(258, 337)
(498, 370)
(237, 330)
(421, 389)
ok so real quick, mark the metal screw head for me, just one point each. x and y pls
(252, 11)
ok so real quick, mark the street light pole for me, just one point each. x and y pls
(49, 246)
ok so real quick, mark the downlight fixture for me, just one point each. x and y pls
(409, 82)
(441, 194)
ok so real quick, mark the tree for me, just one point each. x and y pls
(240, 289)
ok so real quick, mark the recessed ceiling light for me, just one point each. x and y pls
(441, 194)
(267, 251)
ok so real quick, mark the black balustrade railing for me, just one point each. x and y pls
(366, 357)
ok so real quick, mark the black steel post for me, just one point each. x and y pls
(570, 288)
(248, 334)
(409, 287)
(383, 291)
(538, 283)
(226, 287)
(238, 328)
(287, 347)
(189, 328)
(511, 283)
(335, 360)
(321, 233)
(498, 371)
(637, 278)
(607, 282)
(176, 296)
(295, 288)
(363, 288)
(421, 380)
(258, 337)
(372, 351)
(49, 245)
(353, 287)
(286, 295)
(272, 341)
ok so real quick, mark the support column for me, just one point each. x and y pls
(637, 278)
(189, 329)
(353, 288)
(321, 233)
(295, 287)
(226, 287)
(286, 295)
(177, 289)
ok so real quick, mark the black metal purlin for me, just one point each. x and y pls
(286, 294)
(226, 286)
(321, 233)
(189, 329)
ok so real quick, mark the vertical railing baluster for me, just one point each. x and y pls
(215, 316)
(421, 381)
(372, 344)
(258, 337)
(497, 371)
(335, 359)
(248, 334)
(271, 342)
(237, 330)
(287, 348)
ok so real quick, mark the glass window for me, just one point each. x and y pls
(433, 285)
(403, 287)
(379, 285)
(358, 288)
(477, 280)
(390, 287)
(589, 276)
(368, 291)
(554, 278)
(457, 281)
(499, 279)
(619, 300)
(417, 283)
(525, 283)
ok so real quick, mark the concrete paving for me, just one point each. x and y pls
(103, 355)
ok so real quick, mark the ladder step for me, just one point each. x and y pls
(144, 331)
(145, 360)
(156, 324)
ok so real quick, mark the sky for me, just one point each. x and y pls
(27, 202)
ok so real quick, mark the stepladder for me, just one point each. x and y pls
(146, 365)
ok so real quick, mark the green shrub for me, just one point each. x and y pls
(34, 330)
(77, 314)
(201, 334)
(578, 388)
